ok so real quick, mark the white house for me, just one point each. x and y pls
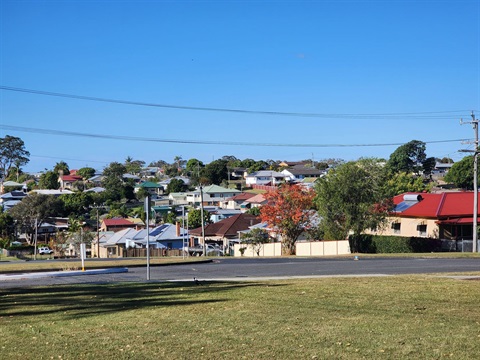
(265, 177)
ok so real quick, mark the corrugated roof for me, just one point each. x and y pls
(439, 205)
(228, 227)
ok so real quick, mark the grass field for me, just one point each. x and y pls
(402, 317)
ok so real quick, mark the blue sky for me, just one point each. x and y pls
(418, 62)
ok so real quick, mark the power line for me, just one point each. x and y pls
(200, 142)
(379, 116)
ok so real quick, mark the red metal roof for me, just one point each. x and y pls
(117, 222)
(440, 206)
(71, 178)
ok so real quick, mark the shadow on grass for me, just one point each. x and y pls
(93, 299)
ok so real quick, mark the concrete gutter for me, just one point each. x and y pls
(6, 277)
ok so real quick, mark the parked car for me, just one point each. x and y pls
(45, 250)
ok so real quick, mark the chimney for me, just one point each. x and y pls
(177, 225)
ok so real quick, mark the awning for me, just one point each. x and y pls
(457, 221)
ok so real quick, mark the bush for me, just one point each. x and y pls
(375, 244)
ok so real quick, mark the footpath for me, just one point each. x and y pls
(32, 275)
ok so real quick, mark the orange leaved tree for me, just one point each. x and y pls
(288, 213)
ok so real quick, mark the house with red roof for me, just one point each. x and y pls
(226, 229)
(235, 202)
(68, 181)
(117, 224)
(446, 216)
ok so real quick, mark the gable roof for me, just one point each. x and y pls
(257, 199)
(71, 178)
(242, 197)
(117, 222)
(218, 190)
(228, 227)
(267, 173)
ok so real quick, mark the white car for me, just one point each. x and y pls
(45, 250)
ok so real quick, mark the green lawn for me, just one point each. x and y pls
(403, 317)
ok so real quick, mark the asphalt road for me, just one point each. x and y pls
(239, 269)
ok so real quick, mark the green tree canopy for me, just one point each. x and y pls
(61, 168)
(410, 158)
(352, 198)
(133, 166)
(33, 210)
(461, 173)
(176, 185)
(215, 172)
(49, 180)
(194, 218)
(86, 172)
(113, 181)
(12, 153)
(402, 182)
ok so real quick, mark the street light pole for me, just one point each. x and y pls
(203, 222)
(474, 123)
(475, 184)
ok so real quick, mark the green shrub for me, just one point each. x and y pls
(393, 244)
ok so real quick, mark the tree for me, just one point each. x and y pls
(288, 213)
(176, 185)
(113, 181)
(49, 180)
(352, 198)
(409, 158)
(215, 172)
(402, 182)
(133, 166)
(12, 152)
(255, 211)
(33, 210)
(194, 218)
(461, 173)
(169, 218)
(77, 204)
(6, 225)
(61, 168)
(86, 172)
(257, 237)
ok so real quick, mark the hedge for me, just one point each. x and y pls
(376, 244)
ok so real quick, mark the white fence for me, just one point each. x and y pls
(314, 248)
(323, 248)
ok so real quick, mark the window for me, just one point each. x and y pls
(422, 230)
(396, 228)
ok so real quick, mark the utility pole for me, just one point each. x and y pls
(474, 123)
(203, 222)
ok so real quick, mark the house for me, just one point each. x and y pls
(226, 229)
(116, 224)
(238, 173)
(154, 189)
(212, 195)
(447, 216)
(68, 181)
(235, 202)
(9, 200)
(51, 192)
(265, 177)
(220, 214)
(170, 236)
(255, 201)
(177, 198)
(298, 173)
